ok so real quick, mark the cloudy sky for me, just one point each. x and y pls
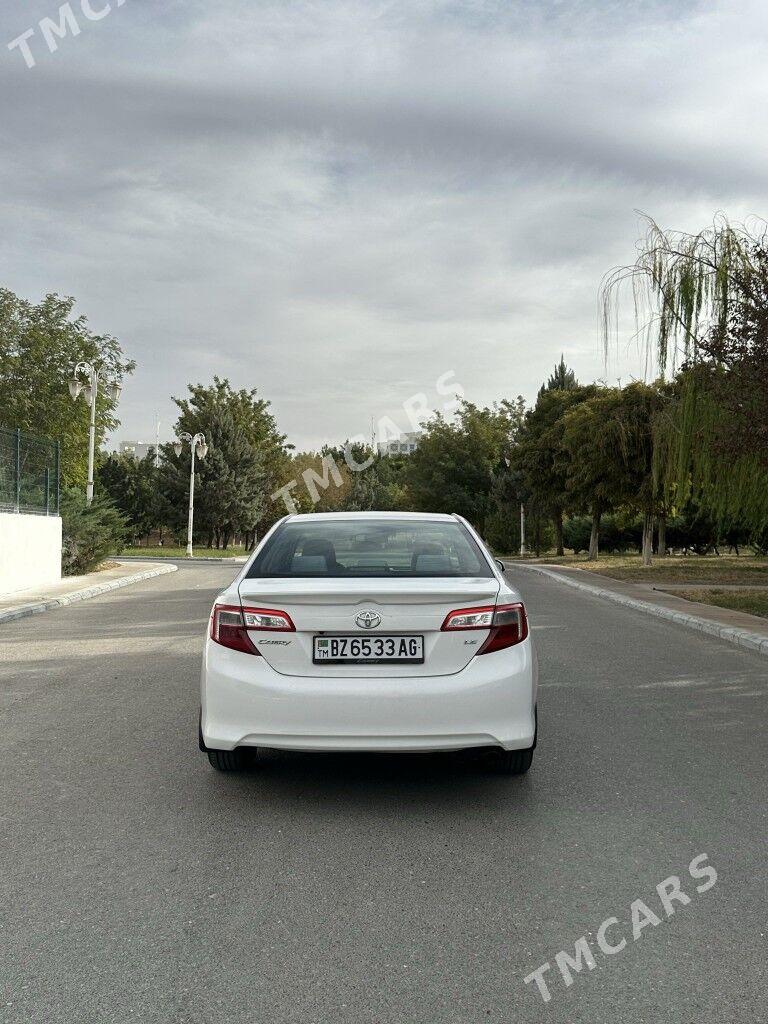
(337, 201)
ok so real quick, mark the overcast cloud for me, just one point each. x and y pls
(336, 201)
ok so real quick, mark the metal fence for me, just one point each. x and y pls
(29, 473)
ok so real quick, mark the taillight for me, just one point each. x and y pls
(507, 624)
(470, 618)
(228, 628)
(510, 627)
(230, 625)
(268, 618)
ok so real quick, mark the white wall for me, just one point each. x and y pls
(30, 551)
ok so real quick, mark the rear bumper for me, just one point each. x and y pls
(490, 702)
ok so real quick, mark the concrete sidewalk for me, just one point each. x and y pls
(77, 588)
(183, 560)
(748, 631)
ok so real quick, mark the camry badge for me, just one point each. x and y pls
(367, 619)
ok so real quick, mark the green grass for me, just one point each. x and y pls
(672, 569)
(754, 602)
(177, 552)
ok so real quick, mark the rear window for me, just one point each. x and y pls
(370, 547)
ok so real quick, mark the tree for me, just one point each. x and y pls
(40, 345)
(391, 473)
(687, 287)
(453, 468)
(704, 298)
(540, 458)
(229, 483)
(563, 379)
(89, 532)
(599, 477)
(367, 491)
(636, 418)
(740, 350)
(252, 416)
(319, 481)
(132, 486)
(693, 458)
(502, 521)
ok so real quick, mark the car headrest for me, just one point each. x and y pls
(427, 548)
(309, 563)
(319, 546)
(431, 563)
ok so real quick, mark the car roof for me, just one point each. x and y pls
(439, 517)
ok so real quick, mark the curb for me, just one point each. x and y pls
(37, 607)
(181, 559)
(756, 642)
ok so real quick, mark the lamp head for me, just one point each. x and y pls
(202, 450)
(177, 448)
(75, 387)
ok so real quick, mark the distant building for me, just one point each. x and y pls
(403, 445)
(136, 449)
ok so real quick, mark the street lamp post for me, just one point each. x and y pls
(94, 372)
(199, 447)
(522, 530)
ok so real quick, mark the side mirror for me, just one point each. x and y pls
(500, 564)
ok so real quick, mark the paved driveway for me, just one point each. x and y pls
(137, 884)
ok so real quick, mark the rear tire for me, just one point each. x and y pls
(516, 762)
(230, 760)
(512, 762)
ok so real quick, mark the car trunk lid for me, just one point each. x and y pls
(414, 606)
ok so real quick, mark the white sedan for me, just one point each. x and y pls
(369, 631)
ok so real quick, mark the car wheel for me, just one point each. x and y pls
(512, 762)
(515, 762)
(230, 760)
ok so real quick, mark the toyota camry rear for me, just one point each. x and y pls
(369, 631)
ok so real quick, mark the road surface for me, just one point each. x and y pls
(138, 884)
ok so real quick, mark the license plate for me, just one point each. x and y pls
(368, 650)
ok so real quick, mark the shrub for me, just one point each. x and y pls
(90, 532)
(692, 528)
(576, 533)
(619, 532)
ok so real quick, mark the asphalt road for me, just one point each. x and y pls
(138, 884)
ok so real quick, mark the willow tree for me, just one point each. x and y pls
(698, 456)
(686, 287)
(700, 301)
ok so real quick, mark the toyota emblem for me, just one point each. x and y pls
(368, 619)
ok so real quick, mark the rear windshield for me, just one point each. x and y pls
(370, 547)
